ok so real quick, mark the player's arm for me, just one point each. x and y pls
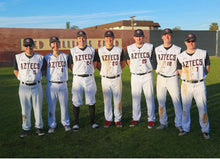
(207, 64)
(122, 60)
(95, 60)
(154, 59)
(179, 67)
(70, 61)
(44, 67)
(127, 58)
(15, 68)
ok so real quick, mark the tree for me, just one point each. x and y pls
(73, 27)
(67, 25)
(213, 26)
(177, 28)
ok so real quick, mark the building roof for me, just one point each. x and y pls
(125, 23)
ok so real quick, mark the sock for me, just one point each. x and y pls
(76, 114)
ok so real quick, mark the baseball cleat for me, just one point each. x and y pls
(67, 128)
(150, 124)
(75, 127)
(206, 135)
(162, 126)
(180, 128)
(107, 124)
(118, 124)
(133, 123)
(95, 126)
(24, 133)
(183, 133)
(39, 132)
(51, 130)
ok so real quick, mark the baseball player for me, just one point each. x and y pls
(165, 63)
(193, 66)
(110, 64)
(138, 58)
(82, 63)
(27, 68)
(57, 76)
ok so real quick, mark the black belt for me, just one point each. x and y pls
(193, 81)
(112, 77)
(166, 76)
(59, 82)
(140, 74)
(31, 84)
(84, 75)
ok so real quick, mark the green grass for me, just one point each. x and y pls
(112, 142)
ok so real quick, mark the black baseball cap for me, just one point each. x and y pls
(191, 37)
(167, 31)
(80, 33)
(138, 33)
(54, 39)
(109, 33)
(28, 42)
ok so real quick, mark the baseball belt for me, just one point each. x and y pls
(112, 77)
(193, 81)
(30, 84)
(166, 76)
(84, 75)
(59, 82)
(140, 74)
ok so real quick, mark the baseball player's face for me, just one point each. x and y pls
(55, 46)
(138, 39)
(109, 41)
(191, 44)
(81, 41)
(29, 49)
(166, 38)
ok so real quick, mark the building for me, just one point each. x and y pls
(128, 25)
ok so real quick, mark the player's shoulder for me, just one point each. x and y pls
(20, 54)
(148, 44)
(159, 47)
(176, 47)
(131, 45)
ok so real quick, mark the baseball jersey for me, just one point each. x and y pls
(57, 67)
(29, 68)
(140, 58)
(166, 60)
(193, 65)
(82, 60)
(110, 61)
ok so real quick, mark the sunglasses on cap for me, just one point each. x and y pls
(26, 45)
(191, 41)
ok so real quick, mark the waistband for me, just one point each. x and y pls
(193, 81)
(84, 75)
(31, 84)
(166, 76)
(112, 77)
(59, 82)
(140, 74)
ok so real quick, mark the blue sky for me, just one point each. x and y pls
(186, 14)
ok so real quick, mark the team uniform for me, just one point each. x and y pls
(57, 77)
(111, 81)
(165, 63)
(30, 88)
(141, 78)
(193, 86)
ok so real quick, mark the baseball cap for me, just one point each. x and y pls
(138, 33)
(167, 31)
(190, 36)
(28, 42)
(109, 34)
(80, 33)
(54, 39)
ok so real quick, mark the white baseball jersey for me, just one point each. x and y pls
(29, 68)
(57, 67)
(193, 66)
(167, 60)
(83, 60)
(140, 58)
(110, 61)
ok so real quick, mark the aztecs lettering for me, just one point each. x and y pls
(190, 63)
(30, 66)
(167, 57)
(140, 55)
(110, 57)
(57, 64)
(84, 57)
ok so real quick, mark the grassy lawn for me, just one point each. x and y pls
(112, 142)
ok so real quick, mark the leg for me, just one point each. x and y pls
(90, 88)
(76, 114)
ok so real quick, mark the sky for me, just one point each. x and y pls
(186, 14)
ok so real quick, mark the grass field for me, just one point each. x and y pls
(112, 142)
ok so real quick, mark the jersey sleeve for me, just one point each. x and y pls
(207, 60)
(15, 64)
(96, 56)
(126, 55)
(154, 59)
